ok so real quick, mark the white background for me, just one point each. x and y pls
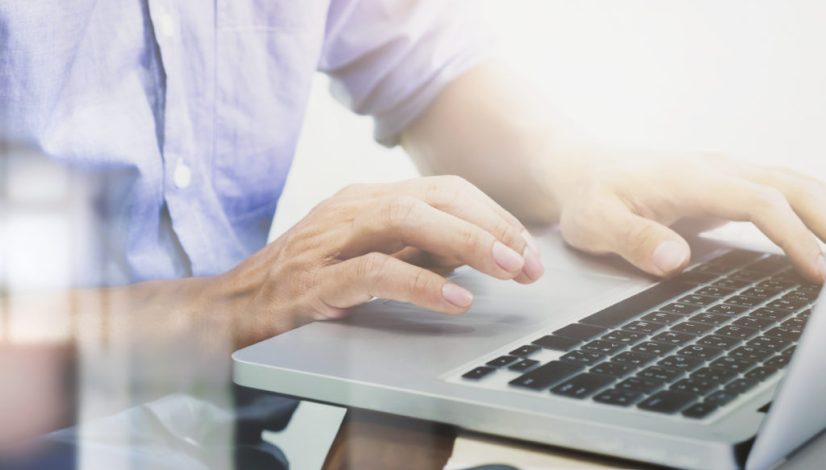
(743, 77)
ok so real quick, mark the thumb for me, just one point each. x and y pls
(648, 245)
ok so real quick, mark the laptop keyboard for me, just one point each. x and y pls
(690, 345)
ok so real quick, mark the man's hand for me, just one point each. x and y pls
(492, 127)
(389, 241)
(627, 207)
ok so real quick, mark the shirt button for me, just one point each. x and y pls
(167, 25)
(182, 176)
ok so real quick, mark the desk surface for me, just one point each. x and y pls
(370, 440)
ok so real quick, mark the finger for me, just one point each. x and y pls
(806, 195)
(358, 280)
(646, 244)
(771, 212)
(458, 197)
(439, 265)
(411, 222)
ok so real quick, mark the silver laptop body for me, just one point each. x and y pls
(395, 358)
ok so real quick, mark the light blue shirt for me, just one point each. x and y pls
(189, 111)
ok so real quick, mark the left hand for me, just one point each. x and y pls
(627, 208)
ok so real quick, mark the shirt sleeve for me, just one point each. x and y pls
(390, 58)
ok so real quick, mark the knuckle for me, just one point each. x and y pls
(642, 237)
(351, 189)
(772, 199)
(509, 235)
(371, 266)
(471, 240)
(399, 211)
(419, 283)
(454, 181)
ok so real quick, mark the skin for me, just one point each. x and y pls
(398, 241)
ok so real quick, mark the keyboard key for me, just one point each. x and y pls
(579, 331)
(682, 309)
(694, 386)
(731, 363)
(502, 361)
(751, 322)
(743, 301)
(770, 264)
(761, 293)
(692, 328)
(778, 362)
(760, 373)
(614, 369)
(769, 343)
(715, 341)
(788, 334)
(789, 351)
(770, 314)
(662, 374)
(776, 284)
(667, 401)
(795, 323)
(729, 283)
(618, 397)
(700, 410)
(736, 258)
(525, 350)
(750, 354)
(583, 357)
(523, 365)
(700, 352)
(715, 291)
(736, 332)
(671, 337)
(645, 327)
(714, 374)
(745, 275)
(657, 349)
(808, 292)
(478, 373)
(624, 337)
(633, 358)
(546, 375)
(740, 386)
(726, 309)
(681, 363)
(603, 346)
(696, 299)
(720, 398)
(710, 319)
(784, 304)
(582, 385)
(556, 343)
(640, 384)
(629, 308)
(663, 317)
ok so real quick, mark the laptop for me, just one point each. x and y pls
(718, 367)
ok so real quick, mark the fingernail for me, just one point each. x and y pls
(456, 295)
(821, 266)
(669, 256)
(533, 265)
(506, 258)
(530, 241)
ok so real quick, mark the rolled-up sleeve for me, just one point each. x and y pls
(390, 58)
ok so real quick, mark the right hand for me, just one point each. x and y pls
(390, 241)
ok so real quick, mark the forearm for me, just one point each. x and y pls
(488, 127)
